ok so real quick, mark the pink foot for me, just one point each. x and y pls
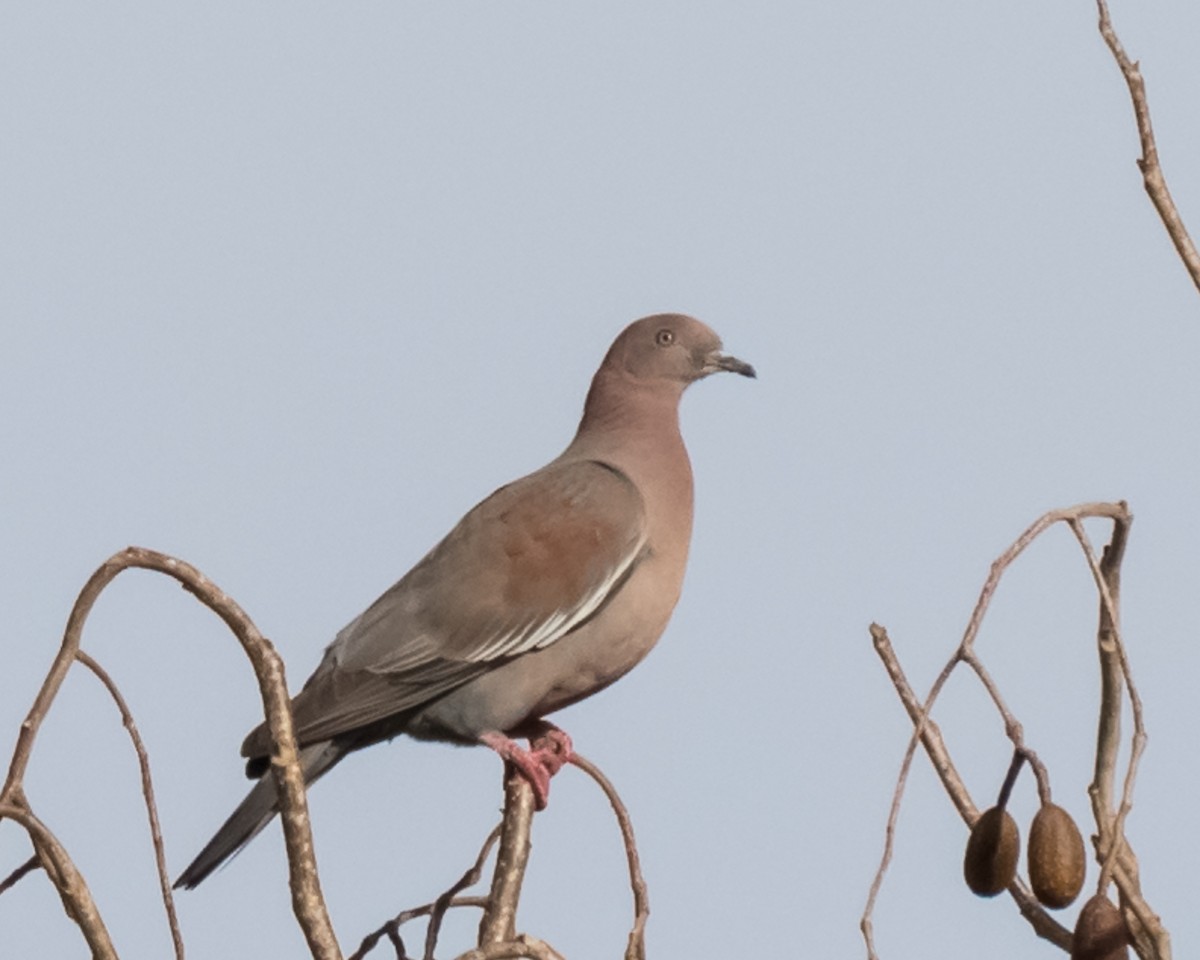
(549, 749)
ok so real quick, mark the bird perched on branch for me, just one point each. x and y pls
(545, 593)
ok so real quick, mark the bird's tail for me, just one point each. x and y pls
(254, 813)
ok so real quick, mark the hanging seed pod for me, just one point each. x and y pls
(992, 850)
(1057, 860)
(1100, 932)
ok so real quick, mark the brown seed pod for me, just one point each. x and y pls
(1057, 860)
(992, 850)
(1100, 932)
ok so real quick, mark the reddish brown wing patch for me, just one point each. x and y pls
(530, 557)
(558, 549)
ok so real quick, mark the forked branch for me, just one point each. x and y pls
(1113, 851)
(307, 901)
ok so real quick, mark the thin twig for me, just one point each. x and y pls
(391, 928)
(636, 947)
(435, 909)
(1012, 727)
(15, 877)
(160, 858)
(926, 732)
(1010, 779)
(468, 879)
(965, 651)
(1152, 176)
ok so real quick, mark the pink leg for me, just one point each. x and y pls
(549, 749)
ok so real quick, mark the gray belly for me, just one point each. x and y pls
(576, 666)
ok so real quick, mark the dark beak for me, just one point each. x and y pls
(724, 362)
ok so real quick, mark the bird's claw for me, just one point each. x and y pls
(549, 750)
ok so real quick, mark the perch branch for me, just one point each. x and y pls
(506, 886)
(499, 921)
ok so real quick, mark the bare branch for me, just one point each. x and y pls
(636, 947)
(1152, 176)
(1113, 850)
(307, 901)
(143, 758)
(68, 881)
(499, 921)
(930, 737)
(15, 877)
(436, 909)
(927, 734)
(13, 784)
(308, 904)
(520, 946)
(468, 879)
(392, 927)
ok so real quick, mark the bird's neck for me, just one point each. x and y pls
(634, 425)
(629, 412)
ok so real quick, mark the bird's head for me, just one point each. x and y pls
(671, 347)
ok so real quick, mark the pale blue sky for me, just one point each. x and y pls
(288, 287)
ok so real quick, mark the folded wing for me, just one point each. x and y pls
(520, 571)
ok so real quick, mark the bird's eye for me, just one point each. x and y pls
(664, 338)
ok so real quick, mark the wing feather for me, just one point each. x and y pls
(523, 569)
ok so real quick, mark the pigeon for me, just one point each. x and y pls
(546, 592)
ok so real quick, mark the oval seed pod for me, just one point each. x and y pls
(992, 850)
(1057, 859)
(1100, 932)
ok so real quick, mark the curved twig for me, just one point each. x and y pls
(436, 909)
(930, 737)
(446, 900)
(636, 947)
(160, 858)
(392, 927)
(307, 901)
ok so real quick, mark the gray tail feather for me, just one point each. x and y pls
(252, 814)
